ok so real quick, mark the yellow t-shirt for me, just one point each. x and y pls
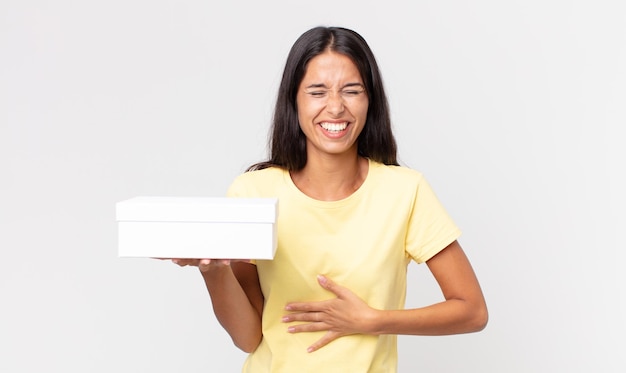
(363, 242)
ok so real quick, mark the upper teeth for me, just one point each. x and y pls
(336, 127)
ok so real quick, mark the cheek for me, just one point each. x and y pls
(304, 120)
(307, 113)
(301, 112)
(363, 111)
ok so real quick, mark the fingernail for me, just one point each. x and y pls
(310, 349)
(321, 279)
(291, 329)
(285, 319)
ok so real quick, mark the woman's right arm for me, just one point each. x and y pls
(236, 297)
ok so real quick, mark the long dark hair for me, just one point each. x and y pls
(288, 142)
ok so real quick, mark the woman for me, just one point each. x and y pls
(350, 221)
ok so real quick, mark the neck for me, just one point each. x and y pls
(331, 179)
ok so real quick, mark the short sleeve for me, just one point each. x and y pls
(237, 188)
(430, 228)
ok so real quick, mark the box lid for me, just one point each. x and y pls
(198, 209)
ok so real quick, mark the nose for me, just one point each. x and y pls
(335, 104)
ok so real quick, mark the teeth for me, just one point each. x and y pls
(334, 127)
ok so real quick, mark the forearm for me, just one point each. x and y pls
(463, 311)
(453, 316)
(233, 308)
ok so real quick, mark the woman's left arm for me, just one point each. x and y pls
(463, 311)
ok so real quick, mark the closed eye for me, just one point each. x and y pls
(352, 92)
(317, 93)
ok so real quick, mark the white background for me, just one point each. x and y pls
(512, 109)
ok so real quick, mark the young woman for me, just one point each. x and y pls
(350, 220)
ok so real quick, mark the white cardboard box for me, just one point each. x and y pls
(192, 227)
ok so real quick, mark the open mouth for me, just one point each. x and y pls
(334, 127)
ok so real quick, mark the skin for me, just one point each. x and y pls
(331, 92)
(463, 311)
(236, 296)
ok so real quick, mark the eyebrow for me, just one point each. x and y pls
(322, 85)
(353, 85)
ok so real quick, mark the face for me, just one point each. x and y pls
(332, 105)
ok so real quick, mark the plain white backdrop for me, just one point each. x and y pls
(512, 110)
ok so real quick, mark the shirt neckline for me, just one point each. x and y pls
(331, 204)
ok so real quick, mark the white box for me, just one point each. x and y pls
(192, 227)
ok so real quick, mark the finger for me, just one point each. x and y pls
(204, 265)
(304, 316)
(326, 339)
(306, 306)
(180, 262)
(330, 285)
(307, 328)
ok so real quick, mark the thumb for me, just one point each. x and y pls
(329, 285)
